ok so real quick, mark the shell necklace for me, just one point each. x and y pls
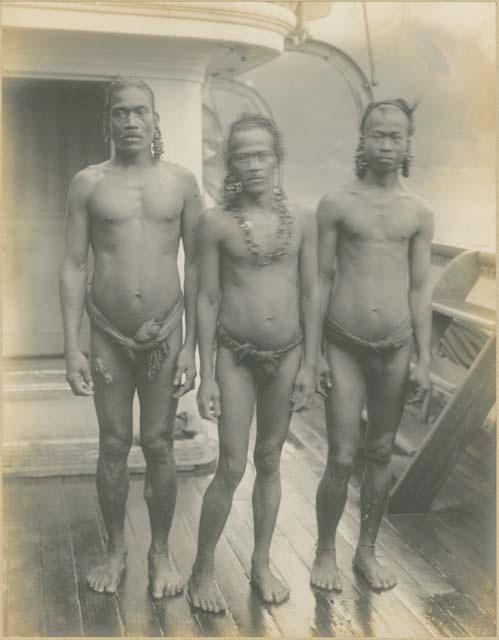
(284, 236)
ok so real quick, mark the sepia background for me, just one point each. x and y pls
(313, 66)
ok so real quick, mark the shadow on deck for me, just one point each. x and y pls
(445, 560)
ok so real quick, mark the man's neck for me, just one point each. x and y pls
(258, 201)
(384, 181)
(140, 160)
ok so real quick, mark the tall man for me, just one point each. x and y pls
(258, 278)
(132, 210)
(378, 236)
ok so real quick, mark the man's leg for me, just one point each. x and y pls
(273, 417)
(385, 403)
(237, 391)
(157, 421)
(344, 404)
(114, 389)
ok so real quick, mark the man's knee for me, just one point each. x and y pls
(379, 453)
(340, 466)
(231, 471)
(114, 447)
(158, 448)
(267, 460)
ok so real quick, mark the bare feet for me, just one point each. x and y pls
(271, 589)
(164, 579)
(106, 577)
(203, 593)
(379, 577)
(325, 573)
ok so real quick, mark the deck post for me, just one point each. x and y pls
(417, 487)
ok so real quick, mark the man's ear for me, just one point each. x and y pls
(156, 118)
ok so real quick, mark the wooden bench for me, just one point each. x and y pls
(471, 395)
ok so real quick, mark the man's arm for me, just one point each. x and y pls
(73, 282)
(208, 306)
(420, 291)
(327, 223)
(186, 366)
(309, 290)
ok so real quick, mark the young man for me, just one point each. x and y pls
(132, 210)
(378, 236)
(258, 280)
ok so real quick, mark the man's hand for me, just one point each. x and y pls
(209, 400)
(420, 379)
(303, 390)
(421, 383)
(78, 374)
(185, 373)
(322, 375)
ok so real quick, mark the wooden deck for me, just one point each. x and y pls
(445, 560)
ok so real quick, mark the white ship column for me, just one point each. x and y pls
(178, 107)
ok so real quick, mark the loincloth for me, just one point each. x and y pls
(338, 335)
(152, 336)
(263, 363)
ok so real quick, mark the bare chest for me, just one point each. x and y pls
(117, 201)
(379, 224)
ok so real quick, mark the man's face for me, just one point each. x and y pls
(132, 120)
(386, 138)
(253, 159)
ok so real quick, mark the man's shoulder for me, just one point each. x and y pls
(336, 201)
(177, 171)
(84, 181)
(213, 221)
(301, 212)
(92, 171)
(420, 206)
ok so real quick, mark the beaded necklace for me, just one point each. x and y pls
(284, 235)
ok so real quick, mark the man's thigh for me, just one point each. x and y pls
(237, 397)
(114, 386)
(386, 392)
(274, 400)
(346, 398)
(157, 405)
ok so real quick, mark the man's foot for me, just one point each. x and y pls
(325, 573)
(203, 593)
(106, 577)
(379, 577)
(271, 589)
(164, 579)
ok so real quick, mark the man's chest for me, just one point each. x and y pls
(250, 240)
(118, 201)
(376, 223)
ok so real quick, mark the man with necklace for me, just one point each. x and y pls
(259, 298)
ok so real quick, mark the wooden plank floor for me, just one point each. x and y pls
(445, 560)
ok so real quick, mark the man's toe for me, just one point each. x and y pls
(194, 600)
(156, 593)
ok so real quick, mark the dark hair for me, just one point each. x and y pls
(255, 121)
(399, 103)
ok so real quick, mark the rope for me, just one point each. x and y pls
(369, 47)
